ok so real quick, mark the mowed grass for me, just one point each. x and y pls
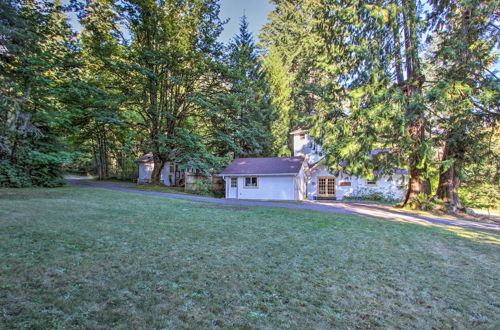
(78, 257)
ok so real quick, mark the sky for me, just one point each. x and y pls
(256, 11)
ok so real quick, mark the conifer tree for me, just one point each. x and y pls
(240, 116)
(466, 92)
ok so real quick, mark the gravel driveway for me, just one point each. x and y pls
(363, 209)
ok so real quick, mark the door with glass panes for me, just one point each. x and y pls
(233, 187)
(326, 187)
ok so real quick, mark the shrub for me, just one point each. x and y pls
(13, 176)
(371, 195)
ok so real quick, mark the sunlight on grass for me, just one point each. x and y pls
(79, 257)
(489, 237)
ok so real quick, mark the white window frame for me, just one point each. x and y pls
(251, 187)
(233, 181)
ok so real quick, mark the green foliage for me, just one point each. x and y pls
(481, 196)
(13, 176)
(280, 88)
(426, 203)
(42, 169)
(353, 72)
(239, 115)
(45, 169)
(37, 67)
(368, 194)
(202, 186)
(465, 95)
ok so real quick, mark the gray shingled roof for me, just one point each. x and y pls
(146, 158)
(273, 165)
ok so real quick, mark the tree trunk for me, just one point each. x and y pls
(102, 157)
(157, 169)
(407, 40)
(449, 182)
(417, 184)
(416, 187)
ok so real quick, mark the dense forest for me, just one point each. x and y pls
(416, 78)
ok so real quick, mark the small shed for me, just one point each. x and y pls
(171, 175)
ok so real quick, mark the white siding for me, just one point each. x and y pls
(146, 169)
(312, 181)
(167, 177)
(300, 185)
(390, 187)
(269, 188)
(306, 148)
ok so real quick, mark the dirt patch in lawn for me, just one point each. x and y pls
(222, 207)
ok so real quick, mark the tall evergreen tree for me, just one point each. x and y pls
(287, 62)
(466, 93)
(283, 115)
(240, 117)
(364, 79)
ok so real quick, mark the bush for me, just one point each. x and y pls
(371, 195)
(428, 203)
(13, 176)
(204, 188)
(40, 169)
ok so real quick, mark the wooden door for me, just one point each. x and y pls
(326, 187)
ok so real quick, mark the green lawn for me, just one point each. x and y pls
(81, 257)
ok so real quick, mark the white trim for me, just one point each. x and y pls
(251, 174)
(251, 187)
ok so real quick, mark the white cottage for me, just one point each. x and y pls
(322, 184)
(304, 176)
(171, 175)
(276, 178)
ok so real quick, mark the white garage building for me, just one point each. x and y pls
(275, 178)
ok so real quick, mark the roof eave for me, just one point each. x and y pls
(258, 174)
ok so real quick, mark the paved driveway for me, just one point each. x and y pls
(364, 209)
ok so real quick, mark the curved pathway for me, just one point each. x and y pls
(363, 209)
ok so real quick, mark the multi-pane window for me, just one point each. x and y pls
(330, 187)
(326, 186)
(322, 186)
(234, 182)
(251, 182)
